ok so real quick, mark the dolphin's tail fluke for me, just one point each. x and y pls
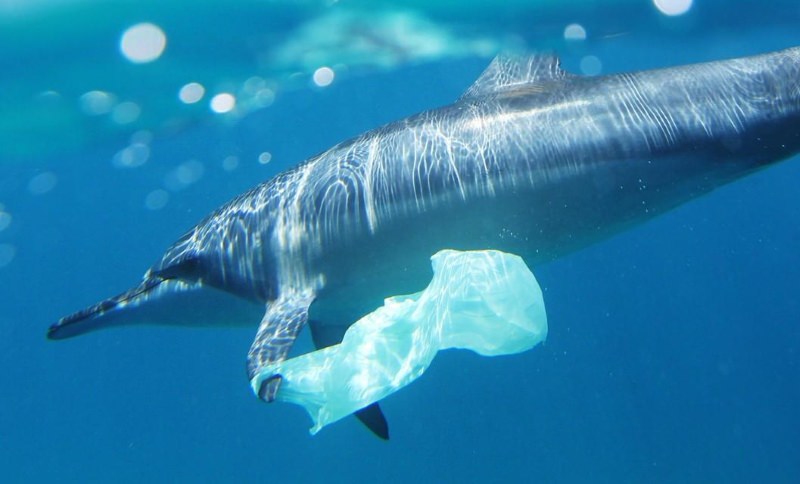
(105, 312)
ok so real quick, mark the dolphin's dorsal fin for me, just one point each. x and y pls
(511, 71)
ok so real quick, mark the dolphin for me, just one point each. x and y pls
(530, 160)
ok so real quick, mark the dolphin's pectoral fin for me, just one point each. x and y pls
(282, 321)
(371, 416)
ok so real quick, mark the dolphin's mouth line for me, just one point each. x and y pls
(150, 283)
(147, 285)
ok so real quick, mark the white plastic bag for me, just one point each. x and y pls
(486, 301)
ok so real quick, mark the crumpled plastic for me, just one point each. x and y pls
(485, 301)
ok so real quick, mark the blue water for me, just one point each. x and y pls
(673, 353)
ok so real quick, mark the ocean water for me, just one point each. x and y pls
(674, 348)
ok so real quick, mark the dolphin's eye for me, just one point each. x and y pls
(187, 267)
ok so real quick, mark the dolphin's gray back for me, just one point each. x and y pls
(531, 160)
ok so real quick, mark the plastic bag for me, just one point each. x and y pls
(486, 301)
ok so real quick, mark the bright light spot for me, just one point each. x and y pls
(265, 97)
(223, 102)
(191, 93)
(184, 175)
(230, 163)
(5, 220)
(591, 65)
(156, 200)
(7, 253)
(142, 43)
(673, 7)
(42, 183)
(143, 136)
(265, 157)
(95, 103)
(126, 112)
(190, 172)
(575, 32)
(48, 97)
(134, 155)
(323, 76)
(254, 84)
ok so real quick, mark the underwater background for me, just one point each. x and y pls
(674, 348)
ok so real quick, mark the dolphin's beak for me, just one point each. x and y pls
(161, 300)
(102, 314)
